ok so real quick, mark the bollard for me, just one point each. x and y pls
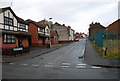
(105, 51)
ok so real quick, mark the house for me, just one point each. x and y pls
(94, 28)
(77, 35)
(54, 37)
(14, 32)
(62, 31)
(115, 25)
(71, 33)
(40, 34)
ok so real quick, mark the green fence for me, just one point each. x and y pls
(105, 39)
(109, 40)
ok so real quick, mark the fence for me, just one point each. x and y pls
(107, 39)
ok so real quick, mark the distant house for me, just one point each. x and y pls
(77, 35)
(40, 34)
(71, 33)
(14, 32)
(94, 28)
(62, 31)
(54, 37)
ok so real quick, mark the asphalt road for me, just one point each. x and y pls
(62, 63)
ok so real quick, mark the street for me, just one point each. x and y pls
(64, 63)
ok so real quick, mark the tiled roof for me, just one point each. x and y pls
(20, 20)
(36, 23)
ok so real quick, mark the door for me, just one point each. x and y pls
(29, 39)
(19, 42)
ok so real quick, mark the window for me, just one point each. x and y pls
(22, 26)
(48, 39)
(40, 30)
(8, 38)
(47, 31)
(8, 21)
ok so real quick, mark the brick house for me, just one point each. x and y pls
(40, 34)
(62, 31)
(94, 28)
(115, 25)
(54, 37)
(77, 35)
(14, 32)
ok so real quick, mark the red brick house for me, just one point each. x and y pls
(115, 25)
(40, 34)
(94, 28)
(14, 31)
(54, 37)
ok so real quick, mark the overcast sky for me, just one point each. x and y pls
(76, 13)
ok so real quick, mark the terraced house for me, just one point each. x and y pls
(14, 31)
(62, 31)
(40, 34)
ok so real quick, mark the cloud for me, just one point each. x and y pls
(78, 14)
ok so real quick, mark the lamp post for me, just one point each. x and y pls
(50, 31)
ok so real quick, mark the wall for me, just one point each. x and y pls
(62, 32)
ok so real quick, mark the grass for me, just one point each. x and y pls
(111, 53)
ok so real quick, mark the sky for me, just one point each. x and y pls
(75, 13)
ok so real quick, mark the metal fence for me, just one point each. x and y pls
(107, 39)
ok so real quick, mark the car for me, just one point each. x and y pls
(76, 40)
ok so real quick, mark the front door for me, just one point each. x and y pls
(19, 42)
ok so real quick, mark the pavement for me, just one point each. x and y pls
(92, 57)
(33, 53)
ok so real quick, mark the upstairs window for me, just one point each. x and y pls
(40, 30)
(22, 26)
(8, 21)
(47, 31)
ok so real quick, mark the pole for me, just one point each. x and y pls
(50, 32)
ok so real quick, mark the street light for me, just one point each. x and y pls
(50, 32)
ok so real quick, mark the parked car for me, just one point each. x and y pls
(76, 40)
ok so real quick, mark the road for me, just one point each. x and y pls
(62, 63)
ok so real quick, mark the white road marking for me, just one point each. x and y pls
(35, 65)
(24, 64)
(12, 63)
(95, 67)
(65, 63)
(65, 66)
(81, 64)
(80, 67)
(48, 65)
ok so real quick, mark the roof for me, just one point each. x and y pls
(15, 33)
(52, 33)
(36, 23)
(20, 20)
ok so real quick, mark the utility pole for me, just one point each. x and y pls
(50, 31)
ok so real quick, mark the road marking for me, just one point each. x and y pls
(35, 65)
(65, 66)
(48, 65)
(81, 64)
(80, 67)
(65, 63)
(12, 63)
(24, 64)
(95, 67)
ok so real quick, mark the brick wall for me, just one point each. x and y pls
(33, 30)
(114, 26)
(62, 32)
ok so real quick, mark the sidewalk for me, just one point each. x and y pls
(92, 57)
(33, 53)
